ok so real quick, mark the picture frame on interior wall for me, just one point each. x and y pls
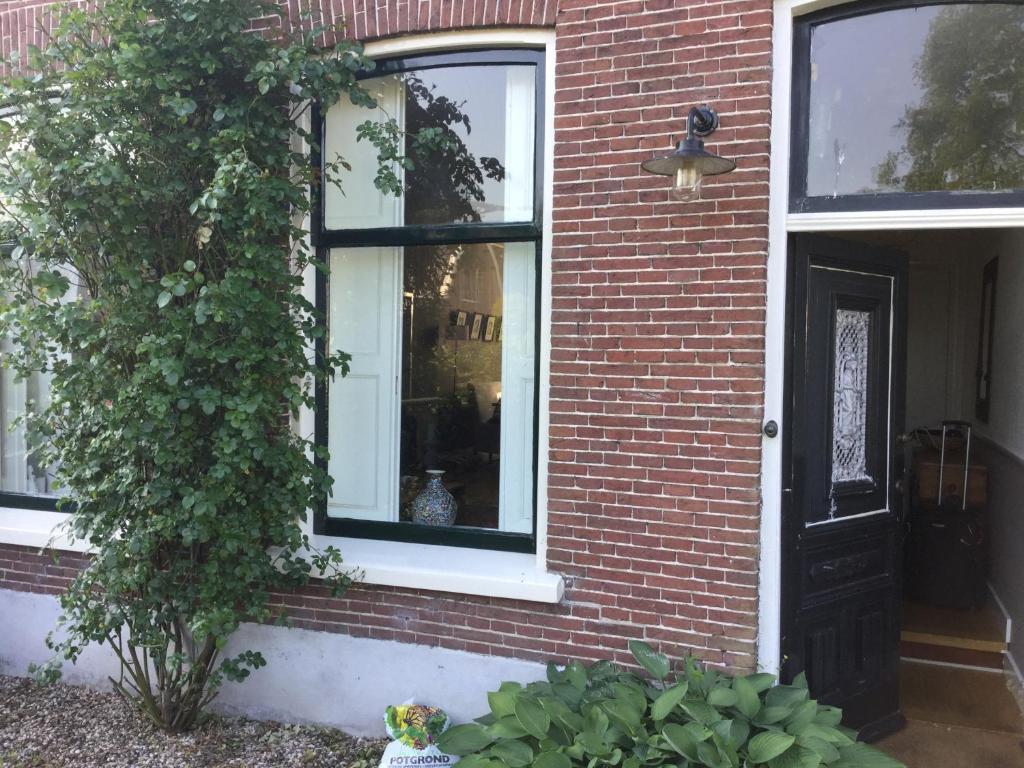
(983, 372)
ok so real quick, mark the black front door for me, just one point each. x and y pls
(843, 477)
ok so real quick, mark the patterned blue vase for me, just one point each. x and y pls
(434, 506)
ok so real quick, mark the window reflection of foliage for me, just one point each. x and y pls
(967, 133)
(440, 154)
(443, 178)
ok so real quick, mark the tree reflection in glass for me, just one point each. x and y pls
(967, 131)
(917, 99)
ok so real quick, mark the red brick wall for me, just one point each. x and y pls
(657, 372)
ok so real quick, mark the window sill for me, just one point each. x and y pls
(488, 573)
(507, 575)
(36, 528)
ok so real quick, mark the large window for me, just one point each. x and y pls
(909, 106)
(434, 294)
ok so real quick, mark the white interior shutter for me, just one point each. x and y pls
(363, 412)
(359, 204)
(519, 141)
(518, 361)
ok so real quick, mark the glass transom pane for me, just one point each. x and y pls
(850, 398)
(484, 172)
(917, 100)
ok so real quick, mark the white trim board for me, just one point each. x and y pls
(780, 223)
(1002, 609)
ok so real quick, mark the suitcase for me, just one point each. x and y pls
(947, 542)
(947, 558)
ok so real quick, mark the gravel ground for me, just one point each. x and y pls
(63, 726)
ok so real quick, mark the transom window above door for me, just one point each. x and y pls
(434, 294)
(906, 106)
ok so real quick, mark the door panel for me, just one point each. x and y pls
(843, 507)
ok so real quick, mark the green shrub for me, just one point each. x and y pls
(603, 715)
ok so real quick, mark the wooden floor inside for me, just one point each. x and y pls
(973, 637)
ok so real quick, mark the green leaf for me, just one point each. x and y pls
(656, 664)
(824, 749)
(634, 694)
(723, 697)
(668, 701)
(732, 732)
(772, 715)
(768, 744)
(796, 757)
(624, 713)
(709, 754)
(680, 740)
(163, 299)
(515, 753)
(480, 761)
(532, 717)
(701, 711)
(552, 760)
(464, 739)
(785, 696)
(576, 675)
(828, 716)
(507, 727)
(502, 703)
(829, 734)
(748, 701)
(859, 755)
(760, 681)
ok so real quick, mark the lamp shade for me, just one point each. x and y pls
(689, 152)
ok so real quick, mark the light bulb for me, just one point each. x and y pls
(686, 185)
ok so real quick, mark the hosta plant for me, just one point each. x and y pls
(603, 715)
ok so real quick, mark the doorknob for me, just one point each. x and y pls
(771, 429)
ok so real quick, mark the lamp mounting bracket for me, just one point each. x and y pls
(702, 121)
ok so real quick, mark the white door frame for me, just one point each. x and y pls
(780, 224)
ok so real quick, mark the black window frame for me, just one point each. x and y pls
(799, 201)
(323, 240)
(29, 501)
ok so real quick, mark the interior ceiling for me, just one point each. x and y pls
(921, 243)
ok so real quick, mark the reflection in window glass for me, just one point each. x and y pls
(484, 173)
(20, 469)
(442, 378)
(937, 104)
(451, 376)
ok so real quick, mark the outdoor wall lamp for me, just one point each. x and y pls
(690, 163)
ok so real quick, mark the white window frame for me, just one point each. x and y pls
(460, 569)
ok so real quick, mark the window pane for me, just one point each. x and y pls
(484, 173)
(938, 104)
(850, 395)
(20, 469)
(453, 327)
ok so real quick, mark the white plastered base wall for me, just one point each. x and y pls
(311, 677)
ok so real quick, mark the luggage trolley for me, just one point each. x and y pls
(947, 544)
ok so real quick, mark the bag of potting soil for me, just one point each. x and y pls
(415, 728)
